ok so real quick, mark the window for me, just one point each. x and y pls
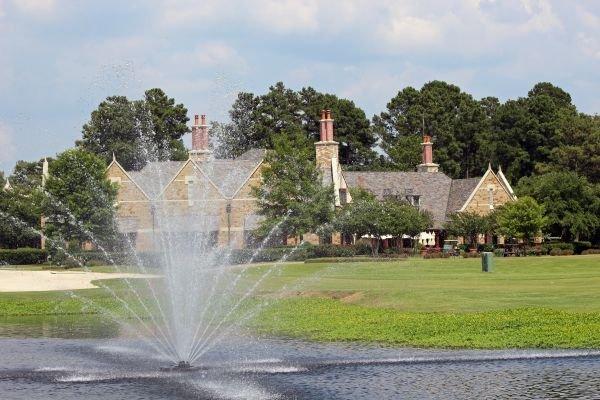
(491, 196)
(189, 181)
(414, 200)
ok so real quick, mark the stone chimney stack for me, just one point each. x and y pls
(326, 149)
(200, 149)
(427, 165)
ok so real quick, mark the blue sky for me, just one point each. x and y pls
(59, 59)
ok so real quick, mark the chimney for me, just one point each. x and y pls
(323, 132)
(200, 133)
(326, 148)
(427, 165)
(200, 150)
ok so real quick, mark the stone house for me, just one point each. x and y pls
(213, 196)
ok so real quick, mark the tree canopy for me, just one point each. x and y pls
(256, 120)
(137, 131)
(80, 201)
(571, 203)
(292, 198)
(520, 219)
(468, 225)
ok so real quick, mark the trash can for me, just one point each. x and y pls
(487, 261)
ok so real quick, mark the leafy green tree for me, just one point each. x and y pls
(19, 216)
(468, 225)
(257, 120)
(454, 119)
(292, 198)
(521, 219)
(367, 216)
(405, 152)
(579, 149)
(137, 131)
(80, 201)
(571, 203)
(526, 130)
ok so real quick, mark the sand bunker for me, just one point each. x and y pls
(41, 281)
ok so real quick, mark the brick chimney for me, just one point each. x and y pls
(326, 148)
(427, 164)
(200, 150)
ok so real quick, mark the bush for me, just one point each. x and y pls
(580, 247)
(467, 254)
(485, 247)
(590, 251)
(499, 252)
(22, 256)
(330, 250)
(559, 252)
(548, 247)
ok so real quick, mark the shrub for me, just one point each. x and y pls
(499, 252)
(591, 251)
(330, 250)
(361, 248)
(467, 254)
(559, 252)
(548, 247)
(485, 247)
(22, 256)
(580, 247)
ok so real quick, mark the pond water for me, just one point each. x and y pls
(74, 358)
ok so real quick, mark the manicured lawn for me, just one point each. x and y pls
(549, 302)
(526, 302)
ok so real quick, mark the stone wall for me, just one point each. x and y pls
(480, 202)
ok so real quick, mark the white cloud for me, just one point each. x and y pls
(285, 16)
(38, 8)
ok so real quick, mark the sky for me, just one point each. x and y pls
(60, 58)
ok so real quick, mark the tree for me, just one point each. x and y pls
(257, 120)
(579, 149)
(454, 119)
(137, 131)
(80, 201)
(292, 197)
(468, 225)
(524, 131)
(571, 203)
(19, 216)
(405, 152)
(367, 216)
(521, 219)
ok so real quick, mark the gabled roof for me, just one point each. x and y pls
(227, 175)
(127, 174)
(432, 187)
(460, 190)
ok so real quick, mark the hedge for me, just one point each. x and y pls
(22, 256)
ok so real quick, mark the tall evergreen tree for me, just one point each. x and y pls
(292, 198)
(454, 119)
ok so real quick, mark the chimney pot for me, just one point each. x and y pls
(196, 119)
(203, 119)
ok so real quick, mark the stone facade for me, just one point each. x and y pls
(215, 196)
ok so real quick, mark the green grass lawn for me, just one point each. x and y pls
(543, 302)
(549, 302)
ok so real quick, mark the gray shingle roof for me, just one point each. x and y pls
(155, 176)
(226, 174)
(432, 187)
(460, 191)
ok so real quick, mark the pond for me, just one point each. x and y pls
(83, 357)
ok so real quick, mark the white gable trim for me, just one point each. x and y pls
(489, 171)
(115, 162)
(196, 168)
(506, 184)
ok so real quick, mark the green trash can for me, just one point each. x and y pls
(487, 261)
